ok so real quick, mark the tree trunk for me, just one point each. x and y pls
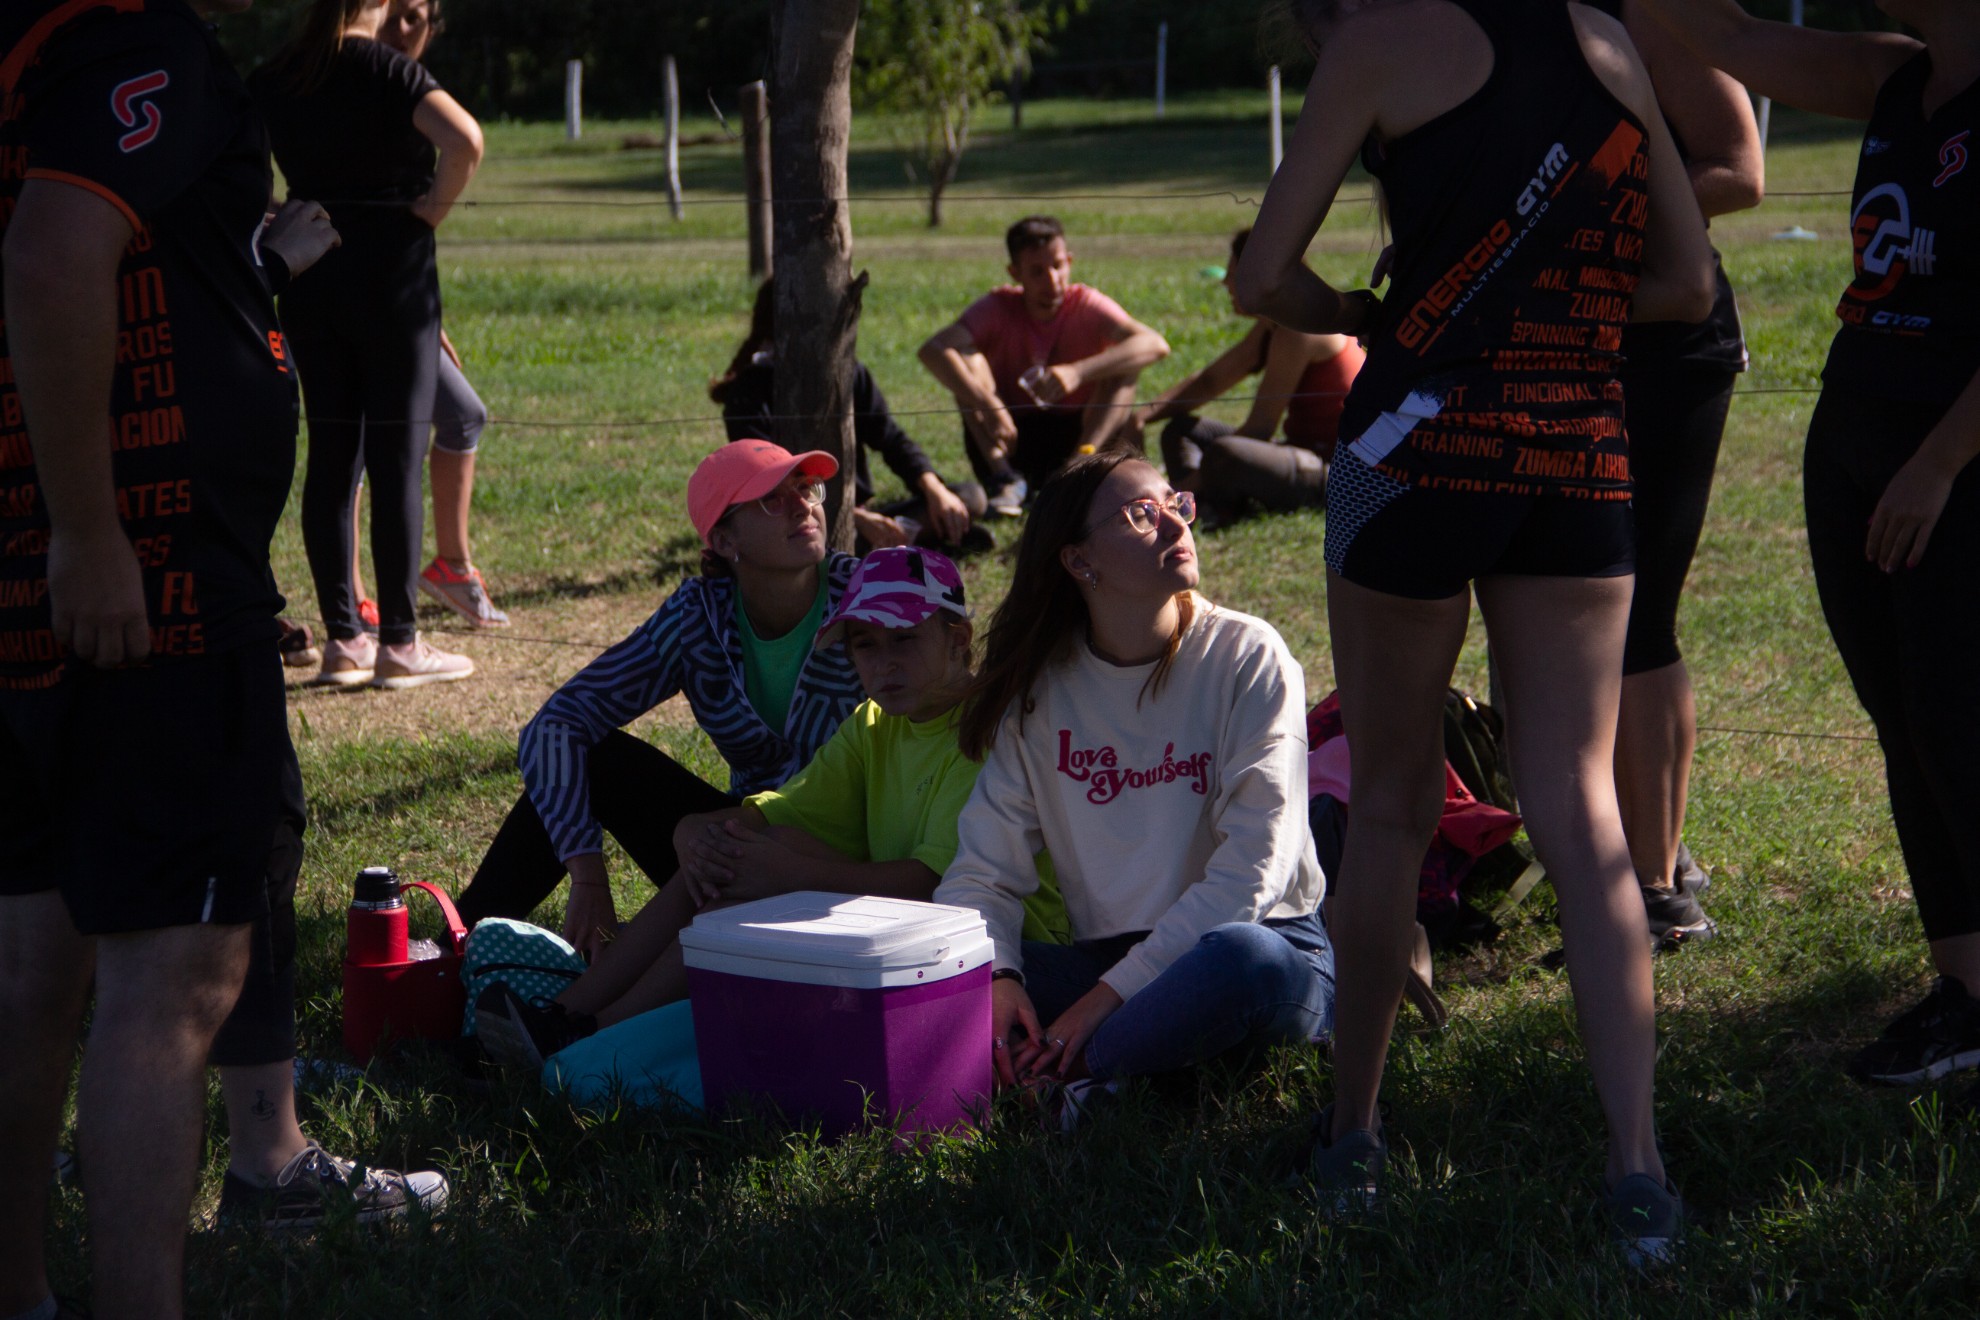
(818, 300)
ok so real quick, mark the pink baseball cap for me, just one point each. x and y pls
(746, 470)
(896, 586)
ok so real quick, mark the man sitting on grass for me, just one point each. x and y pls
(1040, 368)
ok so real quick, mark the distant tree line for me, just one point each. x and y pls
(506, 57)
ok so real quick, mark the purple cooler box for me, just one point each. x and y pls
(826, 1003)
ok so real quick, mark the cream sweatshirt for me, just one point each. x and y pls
(1170, 813)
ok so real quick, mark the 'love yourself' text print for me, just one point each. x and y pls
(1100, 768)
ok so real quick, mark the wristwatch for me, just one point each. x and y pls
(1008, 974)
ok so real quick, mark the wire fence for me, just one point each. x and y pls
(1235, 197)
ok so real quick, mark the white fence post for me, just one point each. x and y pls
(1161, 69)
(670, 84)
(573, 99)
(1278, 121)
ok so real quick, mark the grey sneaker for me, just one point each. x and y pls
(1346, 1172)
(463, 593)
(1070, 1104)
(311, 1186)
(1009, 502)
(1676, 916)
(1691, 877)
(1646, 1217)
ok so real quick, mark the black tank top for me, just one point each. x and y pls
(1911, 317)
(1717, 341)
(1518, 221)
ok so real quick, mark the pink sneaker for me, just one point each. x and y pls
(415, 664)
(347, 662)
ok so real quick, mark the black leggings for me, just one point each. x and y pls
(363, 327)
(1910, 640)
(638, 794)
(1676, 416)
(1233, 471)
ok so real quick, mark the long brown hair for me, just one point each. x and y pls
(1044, 614)
(762, 335)
(305, 62)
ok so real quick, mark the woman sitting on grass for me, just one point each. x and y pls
(1302, 378)
(737, 640)
(873, 813)
(1156, 745)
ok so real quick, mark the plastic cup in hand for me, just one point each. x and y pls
(1032, 378)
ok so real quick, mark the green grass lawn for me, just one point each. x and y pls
(591, 322)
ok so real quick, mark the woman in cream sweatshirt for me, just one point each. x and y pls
(1156, 746)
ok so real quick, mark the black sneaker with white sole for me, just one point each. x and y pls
(315, 1184)
(519, 1034)
(1939, 1035)
(1646, 1217)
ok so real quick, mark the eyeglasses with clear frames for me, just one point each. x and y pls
(1145, 514)
(808, 491)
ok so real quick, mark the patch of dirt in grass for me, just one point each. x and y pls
(516, 668)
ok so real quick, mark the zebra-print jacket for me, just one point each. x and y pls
(690, 645)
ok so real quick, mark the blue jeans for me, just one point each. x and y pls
(1245, 985)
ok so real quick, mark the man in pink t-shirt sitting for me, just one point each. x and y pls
(1039, 368)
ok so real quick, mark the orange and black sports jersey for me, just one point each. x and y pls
(1518, 221)
(132, 101)
(1911, 316)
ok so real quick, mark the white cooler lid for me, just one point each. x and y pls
(834, 930)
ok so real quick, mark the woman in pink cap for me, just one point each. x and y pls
(874, 812)
(737, 640)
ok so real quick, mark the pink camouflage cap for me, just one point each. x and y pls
(896, 586)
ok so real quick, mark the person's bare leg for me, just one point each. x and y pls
(1108, 410)
(664, 982)
(160, 998)
(1959, 957)
(452, 478)
(1393, 659)
(44, 984)
(1559, 646)
(1656, 734)
(263, 1134)
(357, 545)
(638, 945)
(975, 434)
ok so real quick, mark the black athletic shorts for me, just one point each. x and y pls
(148, 796)
(1403, 540)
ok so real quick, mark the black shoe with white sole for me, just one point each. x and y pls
(315, 1184)
(1940, 1035)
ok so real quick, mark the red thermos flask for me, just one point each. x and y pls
(393, 991)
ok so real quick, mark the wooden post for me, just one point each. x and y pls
(758, 143)
(1161, 69)
(670, 84)
(817, 298)
(573, 99)
(1278, 119)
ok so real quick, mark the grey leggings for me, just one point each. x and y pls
(458, 412)
(1233, 471)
